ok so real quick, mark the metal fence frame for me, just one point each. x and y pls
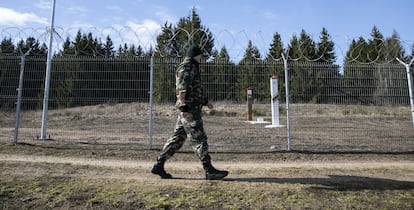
(399, 93)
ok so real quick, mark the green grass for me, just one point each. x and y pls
(238, 193)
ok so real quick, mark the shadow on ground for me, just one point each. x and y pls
(337, 183)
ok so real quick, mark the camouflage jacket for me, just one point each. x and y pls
(188, 86)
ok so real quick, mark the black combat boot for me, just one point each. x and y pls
(158, 169)
(212, 173)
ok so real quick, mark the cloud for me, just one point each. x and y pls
(163, 15)
(10, 17)
(77, 10)
(44, 5)
(143, 33)
(81, 25)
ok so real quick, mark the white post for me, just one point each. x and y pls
(274, 103)
(48, 69)
(410, 85)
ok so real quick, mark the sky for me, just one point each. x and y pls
(232, 22)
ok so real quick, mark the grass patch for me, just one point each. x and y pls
(243, 193)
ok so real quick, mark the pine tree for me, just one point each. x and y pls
(304, 79)
(394, 48)
(325, 48)
(174, 40)
(251, 52)
(274, 64)
(225, 76)
(67, 48)
(387, 75)
(358, 51)
(79, 44)
(139, 51)
(412, 51)
(166, 41)
(123, 51)
(7, 46)
(307, 46)
(224, 54)
(276, 48)
(293, 48)
(376, 46)
(172, 43)
(326, 73)
(252, 74)
(33, 44)
(132, 51)
(108, 48)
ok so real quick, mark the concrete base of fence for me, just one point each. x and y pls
(275, 126)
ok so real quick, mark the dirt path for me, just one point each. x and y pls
(30, 166)
(70, 182)
(112, 163)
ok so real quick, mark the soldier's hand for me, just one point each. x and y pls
(185, 115)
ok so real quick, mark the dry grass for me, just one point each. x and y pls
(344, 157)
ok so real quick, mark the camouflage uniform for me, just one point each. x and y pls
(190, 99)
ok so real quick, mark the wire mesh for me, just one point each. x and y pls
(102, 98)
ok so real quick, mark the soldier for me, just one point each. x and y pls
(190, 100)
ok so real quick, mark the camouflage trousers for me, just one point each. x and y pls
(191, 127)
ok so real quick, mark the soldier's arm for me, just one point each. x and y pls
(184, 89)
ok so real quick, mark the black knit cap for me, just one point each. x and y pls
(193, 51)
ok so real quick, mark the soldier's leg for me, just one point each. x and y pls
(175, 142)
(171, 146)
(195, 129)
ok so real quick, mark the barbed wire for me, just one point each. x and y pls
(235, 42)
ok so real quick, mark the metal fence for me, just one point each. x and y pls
(354, 107)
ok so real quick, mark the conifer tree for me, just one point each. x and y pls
(412, 51)
(7, 46)
(325, 48)
(33, 44)
(139, 51)
(225, 76)
(174, 40)
(274, 64)
(276, 48)
(376, 46)
(251, 74)
(172, 43)
(132, 51)
(67, 48)
(304, 78)
(108, 48)
(394, 48)
(293, 48)
(358, 51)
(307, 46)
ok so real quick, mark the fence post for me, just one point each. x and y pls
(287, 100)
(19, 96)
(151, 95)
(410, 85)
(48, 69)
